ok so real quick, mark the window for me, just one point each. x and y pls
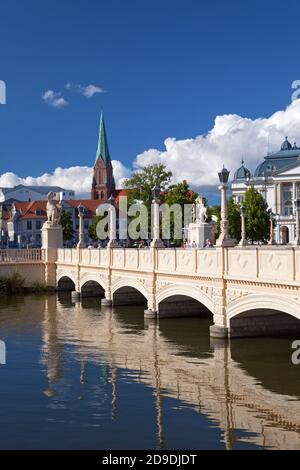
(38, 224)
(287, 196)
(86, 224)
(29, 224)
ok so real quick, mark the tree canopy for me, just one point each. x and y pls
(142, 182)
(67, 225)
(257, 216)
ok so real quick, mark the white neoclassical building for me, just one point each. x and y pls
(277, 178)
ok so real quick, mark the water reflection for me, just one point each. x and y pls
(247, 390)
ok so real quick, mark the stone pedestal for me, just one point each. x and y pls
(199, 232)
(52, 239)
(52, 236)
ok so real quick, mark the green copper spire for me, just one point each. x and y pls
(102, 149)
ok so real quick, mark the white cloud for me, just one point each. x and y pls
(121, 172)
(78, 178)
(196, 159)
(54, 99)
(232, 137)
(88, 91)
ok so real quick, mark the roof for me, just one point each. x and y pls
(102, 149)
(285, 157)
(38, 189)
(242, 173)
(27, 210)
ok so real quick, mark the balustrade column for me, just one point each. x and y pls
(224, 238)
(156, 240)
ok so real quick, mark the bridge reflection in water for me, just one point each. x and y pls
(248, 385)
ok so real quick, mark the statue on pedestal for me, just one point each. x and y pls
(199, 211)
(54, 209)
(52, 232)
(199, 231)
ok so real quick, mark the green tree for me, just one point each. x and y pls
(234, 219)
(181, 194)
(257, 216)
(142, 182)
(67, 225)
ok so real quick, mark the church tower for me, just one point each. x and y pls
(103, 184)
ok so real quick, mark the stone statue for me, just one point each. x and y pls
(201, 210)
(53, 210)
(194, 213)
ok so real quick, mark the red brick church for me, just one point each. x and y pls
(103, 185)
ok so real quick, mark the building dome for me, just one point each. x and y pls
(286, 145)
(242, 173)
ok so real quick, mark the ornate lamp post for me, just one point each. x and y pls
(81, 243)
(271, 240)
(113, 242)
(156, 241)
(224, 239)
(297, 230)
(243, 240)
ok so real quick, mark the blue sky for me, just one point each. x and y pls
(168, 69)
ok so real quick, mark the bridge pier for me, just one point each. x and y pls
(149, 313)
(217, 331)
(76, 295)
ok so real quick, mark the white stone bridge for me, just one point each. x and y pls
(247, 291)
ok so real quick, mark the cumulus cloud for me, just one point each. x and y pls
(196, 159)
(78, 178)
(88, 91)
(54, 99)
(232, 138)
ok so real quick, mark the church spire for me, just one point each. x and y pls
(103, 183)
(102, 150)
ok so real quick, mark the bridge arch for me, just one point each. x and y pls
(264, 301)
(66, 280)
(92, 277)
(263, 315)
(187, 291)
(183, 300)
(129, 291)
(92, 289)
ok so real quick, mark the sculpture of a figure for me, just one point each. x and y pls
(53, 209)
(201, 210)
(194, 213)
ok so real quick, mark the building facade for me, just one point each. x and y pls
(277, 178)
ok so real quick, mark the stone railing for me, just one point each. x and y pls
(21, 255)
(263, 264)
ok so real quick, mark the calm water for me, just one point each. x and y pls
(78, 377)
